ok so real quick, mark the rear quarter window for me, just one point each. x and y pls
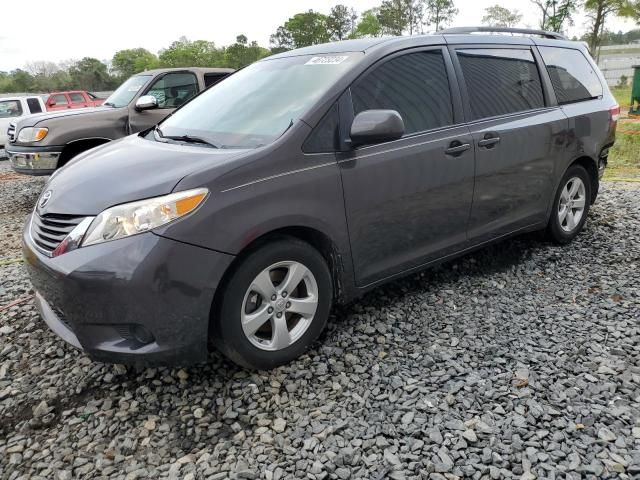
(572, 76)
(500, 81)
(34, 105)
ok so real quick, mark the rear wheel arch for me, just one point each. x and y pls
(591, 166)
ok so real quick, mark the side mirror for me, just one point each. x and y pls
(146, 102)
(376, 126)
(51, 102)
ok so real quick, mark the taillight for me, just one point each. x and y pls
(615, 113)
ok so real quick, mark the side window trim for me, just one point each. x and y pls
(456, 105)
(153, 81)
(463, 87)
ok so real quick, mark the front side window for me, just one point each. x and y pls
(571, 74)
(34, 105)
(415, 85)
(500, 81)
(127, 91)
(256, 105)
(174, 89)
(10, 108)
(60, 99)
(76, 98)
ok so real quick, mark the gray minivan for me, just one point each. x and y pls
(309, 178)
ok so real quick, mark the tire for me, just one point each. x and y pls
(566, 220)
(247, 300)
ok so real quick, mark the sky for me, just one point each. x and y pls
(72, 29)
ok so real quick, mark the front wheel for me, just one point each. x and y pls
(274, 306)
(571, 205)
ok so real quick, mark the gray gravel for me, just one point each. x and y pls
(519, 361)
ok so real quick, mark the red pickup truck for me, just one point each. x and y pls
(72, 99)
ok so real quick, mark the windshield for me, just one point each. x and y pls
(125, 92)
(256, 105)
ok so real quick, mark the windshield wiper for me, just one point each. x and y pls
(186, 138)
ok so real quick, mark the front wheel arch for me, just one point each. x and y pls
(76, 147)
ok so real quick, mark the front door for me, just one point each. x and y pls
(408, 201)
(171, 90)
(518, 137)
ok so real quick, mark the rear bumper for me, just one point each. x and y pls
(34, 160)
(143, 300)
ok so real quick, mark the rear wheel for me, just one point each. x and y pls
(571, 205)
(274, 306)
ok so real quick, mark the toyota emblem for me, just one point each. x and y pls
(44, 199)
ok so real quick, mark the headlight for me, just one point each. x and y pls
(138, 217)
(32, 134)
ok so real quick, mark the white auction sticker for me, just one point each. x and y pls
(332, 60)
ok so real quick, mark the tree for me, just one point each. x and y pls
(369, 25)
(131, 61)
(440, 12)
(90, 74)
(393, 17)
(240, 54)
(282, 40)
(554, 13)
(340, 22)
(187, 53)
(599, 10)
(301, 30)
(498, 16)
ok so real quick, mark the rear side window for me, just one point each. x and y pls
(76, 98)
(213, 78)
(60, 99)
(500, 81)
(415, 85)
(34, 105)
(571, 74)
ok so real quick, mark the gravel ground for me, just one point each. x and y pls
(519, 361)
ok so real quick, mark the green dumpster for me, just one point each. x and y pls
(634, 109)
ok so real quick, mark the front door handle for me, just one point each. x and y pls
(457, 148)
(489, 140)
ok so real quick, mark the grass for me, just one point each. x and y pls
(624, 157)
(623, 96)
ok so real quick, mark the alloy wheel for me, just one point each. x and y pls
(571, 205)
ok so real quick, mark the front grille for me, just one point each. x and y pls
(50, 229)
(11, 132)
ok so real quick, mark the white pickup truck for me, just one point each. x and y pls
(16, 108)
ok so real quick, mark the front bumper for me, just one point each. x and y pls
(33, 160)
(100, 298)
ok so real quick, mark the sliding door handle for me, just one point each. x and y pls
(457, 148)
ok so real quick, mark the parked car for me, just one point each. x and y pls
(42, 143)
(307, 179)
(72, 99)
(13, 109)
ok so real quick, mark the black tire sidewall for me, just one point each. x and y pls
(555, 231)
(228, 335)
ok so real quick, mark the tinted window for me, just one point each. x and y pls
(213, 78)
(324, 137)
(571, 74)
(76, 97)
(10, 108)
(174, 89)
(34, 105)
(415, 85)
(500, 81)
(60, 99)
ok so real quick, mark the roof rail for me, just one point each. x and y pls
(527, 31)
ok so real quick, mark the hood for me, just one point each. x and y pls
(37, 118)
(124, 171)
